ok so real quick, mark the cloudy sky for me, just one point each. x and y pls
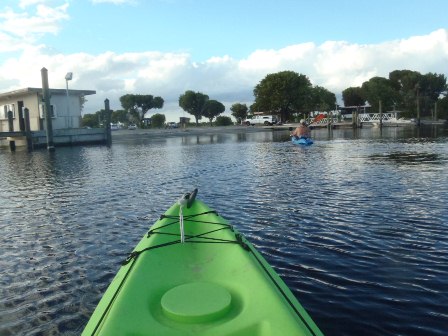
(220, 48)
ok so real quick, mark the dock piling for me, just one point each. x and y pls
(12, 143)
(108, 129)
(29, 138)
(46, 95)
(381, 113)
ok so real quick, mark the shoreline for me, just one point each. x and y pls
(232, 129)
(201, 130)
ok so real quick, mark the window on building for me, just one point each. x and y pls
(42, 109)
(4, 109)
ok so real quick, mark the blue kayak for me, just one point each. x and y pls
(301, 141)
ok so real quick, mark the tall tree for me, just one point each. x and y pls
(137, 105)
(353, 96)
(223, 121)
(442, 108)
(239, 111)
(157, 120)
(90, 120)
(193, 103)
(283, 92)
(254, 108)
(322, 99)
(431, 87)
(406, 82)
(412, 85)
(212, 109)
(402, 90)
(119, 116)
(379, 89)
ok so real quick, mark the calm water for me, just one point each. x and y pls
(356, 224)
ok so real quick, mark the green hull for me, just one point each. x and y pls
(215, 283)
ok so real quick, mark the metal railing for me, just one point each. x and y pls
(375, 117)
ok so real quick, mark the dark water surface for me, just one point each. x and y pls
(355, 224)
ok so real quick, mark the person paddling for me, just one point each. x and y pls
(302, 131)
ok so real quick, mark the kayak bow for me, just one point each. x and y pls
(215, 283)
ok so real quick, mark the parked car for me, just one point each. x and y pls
(171, 124)
(132, 127)
(114, 127)
(266, 120)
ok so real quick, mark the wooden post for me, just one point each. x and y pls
(418, 104)
(435, 112)
(356, 119)
(29, 139)
(12, 143)
(47, 109)
(329, 119)
(107, 121)
(381, 114)
(418, 111)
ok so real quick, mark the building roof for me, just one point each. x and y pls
(21, 92)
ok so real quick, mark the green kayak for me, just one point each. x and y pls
(194, 274)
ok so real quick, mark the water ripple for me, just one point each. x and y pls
(355, 226)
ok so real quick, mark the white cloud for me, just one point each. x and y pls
(28, 3)
(273, 59)
(19, 30)
(334, 65)
(114, 2)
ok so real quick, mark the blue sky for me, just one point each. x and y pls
(221, 48)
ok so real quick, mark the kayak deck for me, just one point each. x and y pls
(215, 283)
(302, 141)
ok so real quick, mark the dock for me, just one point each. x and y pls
(61, 137)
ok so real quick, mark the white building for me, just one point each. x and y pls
(65, 108)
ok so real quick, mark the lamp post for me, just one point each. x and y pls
(68, 77)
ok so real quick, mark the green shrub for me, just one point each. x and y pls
(223, 121)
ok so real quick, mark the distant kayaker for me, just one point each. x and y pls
(302, 131)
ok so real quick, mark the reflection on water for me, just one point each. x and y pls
(410, 158)
(355, 224)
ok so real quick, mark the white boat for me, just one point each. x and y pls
(392, 122)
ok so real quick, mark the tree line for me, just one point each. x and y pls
(404, 90)
(290, 94)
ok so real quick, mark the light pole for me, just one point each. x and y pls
(68, 77)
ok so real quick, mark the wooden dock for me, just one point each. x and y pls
(61, 137)
(50, 138)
